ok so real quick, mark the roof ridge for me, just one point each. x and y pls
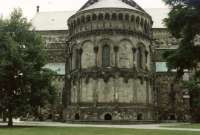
(56, 11)
(131, 3)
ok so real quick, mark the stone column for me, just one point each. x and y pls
(147, 91)
(116, 49)
(146, 60)
(134, 91)
(80, 58)
(67, 90)
(134, 60)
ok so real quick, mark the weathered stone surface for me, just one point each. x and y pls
(127, 89)
(110, 66)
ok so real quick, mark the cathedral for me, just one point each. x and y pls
(108, 59)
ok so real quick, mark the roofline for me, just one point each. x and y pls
(166, 48)
(44, 31)
(137, 11)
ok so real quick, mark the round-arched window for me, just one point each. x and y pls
(114, 16)
(106, 56)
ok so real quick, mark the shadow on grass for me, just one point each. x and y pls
(16, 127)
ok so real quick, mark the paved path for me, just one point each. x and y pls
(140, 126)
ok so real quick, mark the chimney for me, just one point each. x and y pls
(38, 9)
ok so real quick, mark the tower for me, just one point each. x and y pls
(109, 62)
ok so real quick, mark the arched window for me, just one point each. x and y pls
(77, 59)
(106, 56)
(137, 20)
(82, 19)
(94, 17)
(121, 16)
(132, 18)
(78, 21)
(139, 58)
(88, 18)
(107, 16)
(114, 16)
(100, 17)
(127, 17)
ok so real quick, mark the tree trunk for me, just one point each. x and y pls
(4, 116)
(10, 118)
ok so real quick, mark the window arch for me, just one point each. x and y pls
(132, 18)
(94, 17)
(78, 21)
(100, 17)
(114, 16)
(107, 16)
(127, 17)
(82, 19)
(137, 20)
(106, 56)
(121, 16)
(88, 18)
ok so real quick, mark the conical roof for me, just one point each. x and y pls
(128, 4)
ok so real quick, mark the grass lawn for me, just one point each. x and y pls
(87, 131)
(196, 126)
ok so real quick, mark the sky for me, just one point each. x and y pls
(29, 6)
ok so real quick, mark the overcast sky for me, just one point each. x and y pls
(29, 6)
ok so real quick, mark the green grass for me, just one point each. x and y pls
(195, 126)
(87, 131)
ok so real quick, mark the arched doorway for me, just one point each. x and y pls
(139, 116)
(77, 116)
(107, 116)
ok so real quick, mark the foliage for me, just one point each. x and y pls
(194, 91)
(184, 24)
(24, 83)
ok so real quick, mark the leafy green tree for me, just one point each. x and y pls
(24, 83)
(184, 24)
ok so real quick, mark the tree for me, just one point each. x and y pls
(183, 23)
(24, 83)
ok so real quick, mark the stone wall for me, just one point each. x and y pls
(170, 101)
(125, 55)
(109, 63)
(114, 91)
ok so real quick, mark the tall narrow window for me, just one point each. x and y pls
(139, 60)
(77, 59)
(106, 56)
(146, 56)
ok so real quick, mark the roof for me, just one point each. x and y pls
(128, 4)
(59, 68)
(57, 20)
(161, 67)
